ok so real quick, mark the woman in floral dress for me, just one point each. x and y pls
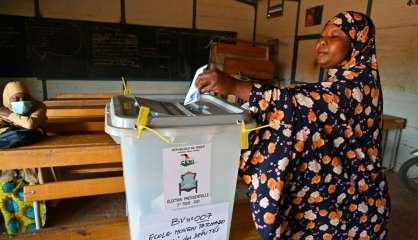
(317, 172)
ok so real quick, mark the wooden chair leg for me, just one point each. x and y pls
(37, 216)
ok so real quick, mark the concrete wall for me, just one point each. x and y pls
(281, 28)
(228, 15)
(397, 50)
(92, 10)
(160, 13)
(17, 7)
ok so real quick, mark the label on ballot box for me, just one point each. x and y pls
(187, 176)
(199, 223)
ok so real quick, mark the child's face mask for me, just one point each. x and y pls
(21, 107)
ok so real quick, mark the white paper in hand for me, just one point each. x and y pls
(193, 94)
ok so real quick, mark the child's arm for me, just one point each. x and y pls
(4, 113)
(2, 123)
(35, 119)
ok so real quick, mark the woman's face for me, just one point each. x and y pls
(333, 46)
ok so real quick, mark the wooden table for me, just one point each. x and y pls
(395, 124)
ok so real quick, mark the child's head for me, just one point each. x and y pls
(16, 98)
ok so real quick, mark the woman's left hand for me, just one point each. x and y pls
(4, 112)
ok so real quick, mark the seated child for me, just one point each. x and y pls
(22, 119)
(22, 122)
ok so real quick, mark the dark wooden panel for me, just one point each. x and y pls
(13, 58)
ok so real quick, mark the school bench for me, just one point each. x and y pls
(71, 146)
(62, 151)
(68, 116)
(75, 125)
(76, 102)
(67, 151)
(66, 124)
(71, 117)
(75, 111)
(63, 124)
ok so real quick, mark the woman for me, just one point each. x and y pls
(317, 174)
(22, 122)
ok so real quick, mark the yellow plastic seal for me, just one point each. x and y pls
(142, 120)
(244, 136)
(126, 91)
(141, 124)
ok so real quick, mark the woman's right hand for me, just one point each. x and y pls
(220, 82)
(215, 81)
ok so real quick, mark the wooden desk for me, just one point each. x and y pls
(393, 122)
(68, 151)
(58, 151)
(242, 228)
(75, 125)
(70, 111)
(74, 116)
(76, 102)
(87, 95)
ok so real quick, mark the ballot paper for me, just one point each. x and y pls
(193, 94)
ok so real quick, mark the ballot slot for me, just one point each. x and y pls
(169, 111)
(130, 107)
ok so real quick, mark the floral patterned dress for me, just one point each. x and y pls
(317, 173)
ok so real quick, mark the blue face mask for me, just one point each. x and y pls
(21, 107)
